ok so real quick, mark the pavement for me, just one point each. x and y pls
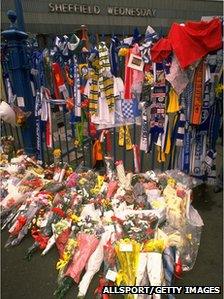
(37, 279)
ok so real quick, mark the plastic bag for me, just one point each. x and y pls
(188, 181)
(192, 230)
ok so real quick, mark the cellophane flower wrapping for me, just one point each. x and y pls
(67, 255)
(86, 246)
(61, 231)
(94, 263)
(142, 275)
(109, 257)
(192, 236)
(23, 230)
(155, 269)
(128, 252)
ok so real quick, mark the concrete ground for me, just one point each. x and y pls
(37, 279)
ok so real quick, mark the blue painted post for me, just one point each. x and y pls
(19, 13)
(19, 72)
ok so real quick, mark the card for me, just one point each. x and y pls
(111, 275)
(136, 62)
(126, 247)
(20, 102)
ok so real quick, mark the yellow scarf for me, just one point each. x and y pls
(124, 134)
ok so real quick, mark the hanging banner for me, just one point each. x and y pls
(96, 10)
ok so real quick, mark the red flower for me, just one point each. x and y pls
(59, 211)
(149, 231)
(118, 220)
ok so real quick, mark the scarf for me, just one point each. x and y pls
(198, 152)
(105, 134)
(104, 62)
(144, 141)
(108, 88)
(164, 142)
(93, 94)
(198, 90)
(186, 149)
(46, 115)
(114, 59)
(124, 137)
(173, 105)
(205, 114)
(157, 117)
(76, 89)
(58, 79)
(180, 130)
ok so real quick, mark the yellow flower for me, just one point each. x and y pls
(57, 153)
(96, 189)
(106, 202)
(95, 63)
(149, 78)
(75, 218)
(154, 246)
(71, 245)
(171, 182)
(76, 143)
(219, 88)
(82, 181)
(128, 260)
(123, 52)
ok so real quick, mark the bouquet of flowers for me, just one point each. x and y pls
(127, 252)
(94, 262)
(139, 227)
(86, 245)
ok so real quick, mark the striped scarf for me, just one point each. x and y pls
(94, 94)
(106, 82)
(108, 89)
(180, 130)
(104, 61)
